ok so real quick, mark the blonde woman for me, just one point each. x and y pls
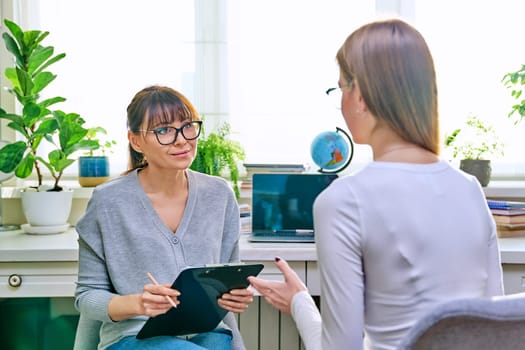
(408, 231)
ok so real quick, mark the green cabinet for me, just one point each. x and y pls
(27, 324)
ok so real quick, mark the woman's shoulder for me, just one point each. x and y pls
(340, 190)
(116, 186)
(212, 189)
(212, 181)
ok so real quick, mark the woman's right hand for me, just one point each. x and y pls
(151, 302)
(276, 293)
(154, 299)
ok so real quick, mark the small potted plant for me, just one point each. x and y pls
(474, 145)
(93, 166)
(218, 155)
(38, 124)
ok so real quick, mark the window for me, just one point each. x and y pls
(474, 44)
(285, 66)
(284, 55)
(263, 65)
(114, 49)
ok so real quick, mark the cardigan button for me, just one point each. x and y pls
(175, 240)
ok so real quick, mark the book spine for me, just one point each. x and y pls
(509, 219)
(496, 204)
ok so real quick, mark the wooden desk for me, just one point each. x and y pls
(48, 264)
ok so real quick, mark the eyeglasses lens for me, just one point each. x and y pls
(335, 95)
(189, 131)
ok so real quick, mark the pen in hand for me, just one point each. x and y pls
(150, 276)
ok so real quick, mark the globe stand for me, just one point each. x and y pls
(350, 154)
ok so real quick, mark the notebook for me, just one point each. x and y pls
(282, 206)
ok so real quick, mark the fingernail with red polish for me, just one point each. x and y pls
(277, 259)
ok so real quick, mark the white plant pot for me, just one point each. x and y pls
(47, 208)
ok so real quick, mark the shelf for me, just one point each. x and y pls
(505, 189)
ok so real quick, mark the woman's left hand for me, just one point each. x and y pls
(237, 300)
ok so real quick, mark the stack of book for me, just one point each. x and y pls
(252, 168)
(246, 218)
(509, 217)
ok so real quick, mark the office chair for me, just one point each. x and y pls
(86, 337)
(471, 324)
(87, 332)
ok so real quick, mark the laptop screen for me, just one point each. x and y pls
(282, 202)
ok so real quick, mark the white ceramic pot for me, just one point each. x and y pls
(47, 208)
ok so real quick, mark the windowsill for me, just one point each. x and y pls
(505, 189)
(495, 189)
(78, 192)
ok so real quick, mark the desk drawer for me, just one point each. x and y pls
(514, 278)
(38, 279)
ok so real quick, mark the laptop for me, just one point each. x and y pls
(282, 206)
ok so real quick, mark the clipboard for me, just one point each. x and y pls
(200, 288)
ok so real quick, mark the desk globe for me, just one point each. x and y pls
(332, 151)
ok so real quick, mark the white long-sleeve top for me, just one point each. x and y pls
(393, 241)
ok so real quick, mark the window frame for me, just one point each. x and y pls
(208, 89)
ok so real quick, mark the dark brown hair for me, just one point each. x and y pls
(395, 72)
(153, 106)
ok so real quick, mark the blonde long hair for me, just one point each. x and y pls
(395, 71)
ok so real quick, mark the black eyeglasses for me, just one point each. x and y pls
(166, 135)
(335, 94)
(337, 90)
(330, 91)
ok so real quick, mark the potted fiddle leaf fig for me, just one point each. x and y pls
(93, 166)
(218, 155)
(474, 145)
(37, 124)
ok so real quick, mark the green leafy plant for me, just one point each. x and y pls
(103, 146)
(477, 140)
(515, 82)
(217, 154)
(37, 122)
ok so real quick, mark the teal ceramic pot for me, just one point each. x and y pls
(92, 170)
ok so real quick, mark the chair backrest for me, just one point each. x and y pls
(87, 335)
(471, 324)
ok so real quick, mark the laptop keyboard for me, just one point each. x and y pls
(283, 236)
(286, 233)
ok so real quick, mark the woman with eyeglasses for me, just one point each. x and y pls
(405, 233)
(158, 218)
